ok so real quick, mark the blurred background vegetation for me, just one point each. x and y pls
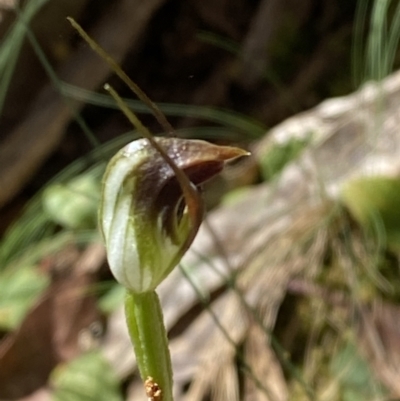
(310, 312)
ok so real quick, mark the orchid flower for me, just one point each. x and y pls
(143, 218)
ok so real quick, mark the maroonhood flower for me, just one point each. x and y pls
(143, 217)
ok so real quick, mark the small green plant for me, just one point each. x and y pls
(150, 212)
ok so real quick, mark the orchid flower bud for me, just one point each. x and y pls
(143, 216)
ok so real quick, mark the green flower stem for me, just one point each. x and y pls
(149, 338)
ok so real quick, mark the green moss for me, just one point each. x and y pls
(276, 158)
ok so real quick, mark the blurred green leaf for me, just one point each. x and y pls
(112, 299)
(354, 375)
(375, 203)
(74, 204)
(276, 158)
(87, 378)
(18, 291)
(235, 195)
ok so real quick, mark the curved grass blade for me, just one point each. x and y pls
(251, 128)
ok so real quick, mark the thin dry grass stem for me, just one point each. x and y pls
(198, 389)
(299, 249)
(375, 329)
(322, 243)
(218, 380)
(327, 312)
(379, 342)
(343, 259)
(356, 262)
(264, 364)
(219, 245)
(225, 342)
(225, 387)
(261, 287)
(367, 254)
(217, 356)
(125, 78)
